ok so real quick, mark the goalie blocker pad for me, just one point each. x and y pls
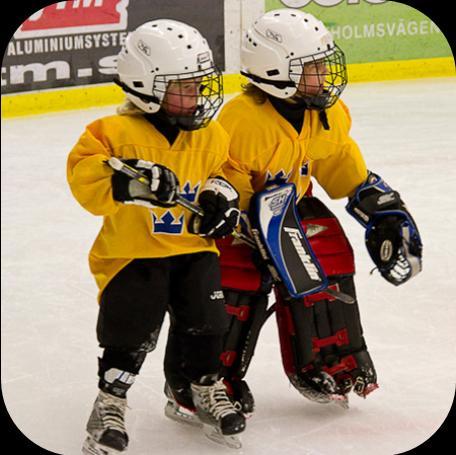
(282, 242)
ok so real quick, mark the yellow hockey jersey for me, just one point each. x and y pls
(265, 148)
(131, 231)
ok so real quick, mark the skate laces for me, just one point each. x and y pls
(112, 411)
(219, 405)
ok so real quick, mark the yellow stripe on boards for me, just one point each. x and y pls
(40, 102)
(401, 69)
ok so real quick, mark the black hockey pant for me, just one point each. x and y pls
(133, 306)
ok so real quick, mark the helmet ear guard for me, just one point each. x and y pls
(277, 48)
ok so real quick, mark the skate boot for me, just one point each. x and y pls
(180, 406)
(241, 396)
(106, 426)
(221, 421)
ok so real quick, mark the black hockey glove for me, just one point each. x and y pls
(392, 238)
(161, 191)
(220, 203)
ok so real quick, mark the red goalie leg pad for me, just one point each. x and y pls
(238, 270)
(286, 332)
(326, 237)
(295, 345)
(321, 332)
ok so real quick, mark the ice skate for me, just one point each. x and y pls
(106, 426)
(180, 407)
(320, 388)
(241, 396)
(221, 421)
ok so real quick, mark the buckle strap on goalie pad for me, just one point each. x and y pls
(347, 363)
(228, 357)
(242, 312)
(311, 299)
(340, 338)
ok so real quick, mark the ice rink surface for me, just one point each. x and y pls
(407, 132)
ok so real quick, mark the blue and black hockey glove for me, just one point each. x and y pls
(392, 237)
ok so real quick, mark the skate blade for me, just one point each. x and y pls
(325, 398)
(316, 397)
(340, 400)
(91, 447)
(215, 435)
(181, 415)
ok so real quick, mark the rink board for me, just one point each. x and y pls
(40, 102)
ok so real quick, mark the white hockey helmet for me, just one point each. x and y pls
(276, 47)
(165, 50)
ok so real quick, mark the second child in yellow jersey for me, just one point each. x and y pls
(287, 126)
(151, 254)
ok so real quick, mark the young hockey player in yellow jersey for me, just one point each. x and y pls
(153, 255)
(287, 126)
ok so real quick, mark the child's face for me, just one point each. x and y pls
(313, 78)
(181, 97)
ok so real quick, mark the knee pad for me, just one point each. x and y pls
(320, 332)
(238, 271)
(326, 237)
(248, 312)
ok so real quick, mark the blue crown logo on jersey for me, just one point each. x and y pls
(190, 193)
(277, 178)
(167, 224)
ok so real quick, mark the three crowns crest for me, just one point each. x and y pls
(189, 192)
(168, 223)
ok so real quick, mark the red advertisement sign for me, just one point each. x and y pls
(77, 16)
(76, 42)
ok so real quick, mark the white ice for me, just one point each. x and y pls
(407, 132)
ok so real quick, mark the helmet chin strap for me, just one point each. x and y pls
(317, 102)
(297, 100)
(142, 96)
(314, 103)
(187, 122)
(262, 80)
